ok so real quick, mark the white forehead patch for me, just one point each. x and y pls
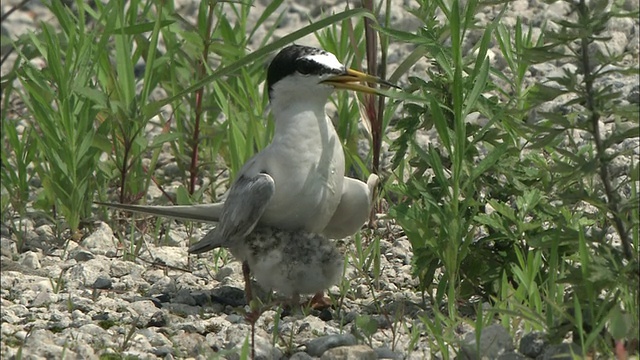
(327, 59)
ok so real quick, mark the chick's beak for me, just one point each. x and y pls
(351, 80)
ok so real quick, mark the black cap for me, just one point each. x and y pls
(293, 59)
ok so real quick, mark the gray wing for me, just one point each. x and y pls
(248, 198)
(200, 212)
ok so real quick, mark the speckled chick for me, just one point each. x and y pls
(292, 263)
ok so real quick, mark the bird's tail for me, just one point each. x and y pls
(209, 242)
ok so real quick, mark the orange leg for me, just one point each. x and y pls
(246, 273)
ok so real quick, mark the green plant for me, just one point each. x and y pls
(365, 327)
(515, 209)
(62, 102)
(438, 222)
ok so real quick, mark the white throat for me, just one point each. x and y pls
(298, 111)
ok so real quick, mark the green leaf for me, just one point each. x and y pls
(163, 138)
(542, 54)
(367, 325)
(489, 161)
(139, 28)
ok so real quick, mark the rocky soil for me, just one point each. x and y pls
(84, 299)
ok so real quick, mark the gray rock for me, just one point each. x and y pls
(30, 260)
(85, 351)
(82, 303)
(386, 353)
(562, 351)
(234, 337)
(175, 237)
(229, 295)
(494, 341)
(193, 326)
(630, 5)
(532, 344)
(234, 318)
(184, 297)
(158, 319)
(512, 355)
(634, 95)
(102, 282)
(82, 255)
(172, 256)
(18, 310)
(144, 309)
(86, 273)
(354, 352)
(318, 346)
(41, 342)
(162, 286)
(120, 268)
(613, 46)
(46, 234)
(162, 351)
(7, 246)
(101, 241)
(44, 298)
(93, 330)
(301, 356)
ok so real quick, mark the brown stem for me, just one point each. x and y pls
(202, 69)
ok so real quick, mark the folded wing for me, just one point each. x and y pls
(247, 200)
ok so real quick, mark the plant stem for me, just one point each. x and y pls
(612, 197)
(202, 69)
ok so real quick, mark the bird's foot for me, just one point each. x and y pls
(319, 301)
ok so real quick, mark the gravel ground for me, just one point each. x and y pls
(83, 300)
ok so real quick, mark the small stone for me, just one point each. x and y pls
(8, 247)
(532, 344)
(224, 272)
(494, 341)
(101, 241)
(184, 297)
(201, 299)
(158, 319)
(386, 353)
(83, 255)
(301, 356)
(162, 351)
(325, 315)
(634, 95)
(46, 233)
(172, 256)
(562, 351)
(102, 282)
(229, 295)
(143, 308)
(30, 260)
(234, 318)
(161, 298)
(43, 299)
(355, 352)
(512, 355)
(121, 268)
(318, 346)
(175, 238)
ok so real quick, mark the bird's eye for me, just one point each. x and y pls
(305, 67)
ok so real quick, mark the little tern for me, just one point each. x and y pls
(297, 182)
